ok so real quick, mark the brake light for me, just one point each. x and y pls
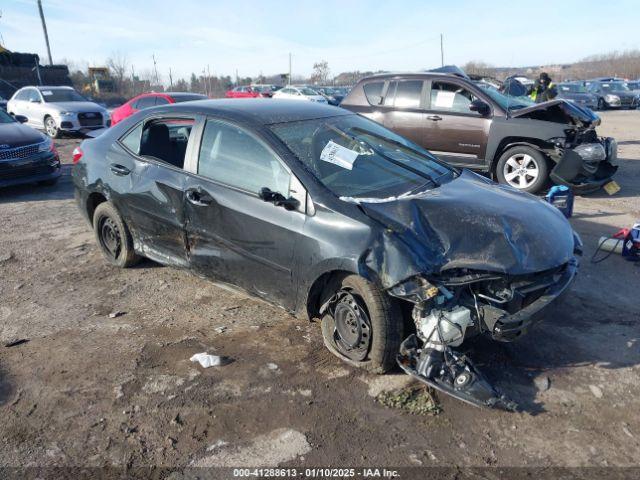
(77, 154)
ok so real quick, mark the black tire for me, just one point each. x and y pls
(528, 154)
(113, 236)
(601, 104)
(385, 326)
(51, 128)
(48, 183)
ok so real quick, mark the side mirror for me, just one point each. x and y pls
(21, 118)
(278, 199)
(481, 107)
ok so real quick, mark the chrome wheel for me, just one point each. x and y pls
(521, 170)
(50, 127)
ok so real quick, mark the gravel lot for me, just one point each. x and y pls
(91, 390)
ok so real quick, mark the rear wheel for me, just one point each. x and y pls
(51, 127)
(524, 168)
(363, 325)
(113, 236)
(601, 104)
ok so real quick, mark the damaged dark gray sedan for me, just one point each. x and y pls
(331, 216)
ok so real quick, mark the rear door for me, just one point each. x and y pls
(403, 110)
(148, 181)
(452, 131)
(232, 234)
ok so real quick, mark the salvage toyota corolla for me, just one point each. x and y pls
(332, 216)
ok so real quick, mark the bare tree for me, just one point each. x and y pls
(321, 72)
(119, 68)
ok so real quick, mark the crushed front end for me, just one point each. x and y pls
(585, 162)
(461, 303)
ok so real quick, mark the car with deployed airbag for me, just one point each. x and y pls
(331, 216)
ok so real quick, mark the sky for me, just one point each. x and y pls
(256, 37)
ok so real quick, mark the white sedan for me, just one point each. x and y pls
(299, 93)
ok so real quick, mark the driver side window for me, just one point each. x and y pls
(449, 97)
(232, 156)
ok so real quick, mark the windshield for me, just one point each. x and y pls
(572, 88)
(5, 117)
(308, 91)
(506, 102)
(633, 85)
(358, 159)
(52, 95)
(613, 87)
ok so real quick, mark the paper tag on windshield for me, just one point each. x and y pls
(46, 93)
(445, 99)
(338, 155)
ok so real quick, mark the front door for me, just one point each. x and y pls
(451, 130)
(233, 235)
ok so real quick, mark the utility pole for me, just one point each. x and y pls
(237, 78)
(44, 28)
(133, 81)
(206, 84)
(441, 52)
(289, 68)
(154, 68)
(209, 80)
(170, 79)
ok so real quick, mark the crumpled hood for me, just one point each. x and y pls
(472, 223)
(569, 112)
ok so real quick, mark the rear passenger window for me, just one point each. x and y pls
(145, 102)
(161, 101)
(373, 92)
(132, 139)
(408, 94)
(232, 156)
(164, 139)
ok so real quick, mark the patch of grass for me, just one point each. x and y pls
(417, 400)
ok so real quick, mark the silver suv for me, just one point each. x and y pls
(57, 109)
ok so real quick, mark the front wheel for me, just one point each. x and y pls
(363, 325)
(113, 236)
(524, 168)
(601, 104)
(51, 128)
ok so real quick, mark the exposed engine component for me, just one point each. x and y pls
(442, 327)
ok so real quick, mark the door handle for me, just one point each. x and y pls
(120, 169)
(199, 197)
(434, 118)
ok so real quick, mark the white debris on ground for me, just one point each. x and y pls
(207, 360)
(269, 450)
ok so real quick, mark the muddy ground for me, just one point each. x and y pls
(91, 390)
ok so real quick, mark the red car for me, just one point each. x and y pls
(243, 92)
(147, 100)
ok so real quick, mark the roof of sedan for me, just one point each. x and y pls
(259, 110)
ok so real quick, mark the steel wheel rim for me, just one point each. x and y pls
(352, 331)
(110, 238)
(51, 127)
(521, 170)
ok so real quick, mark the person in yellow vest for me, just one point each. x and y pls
(544, 89)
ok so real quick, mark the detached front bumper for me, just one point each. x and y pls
(585, 176)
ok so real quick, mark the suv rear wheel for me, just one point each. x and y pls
(363, 325)
(524, 168)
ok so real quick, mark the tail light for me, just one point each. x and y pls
(77, 154)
